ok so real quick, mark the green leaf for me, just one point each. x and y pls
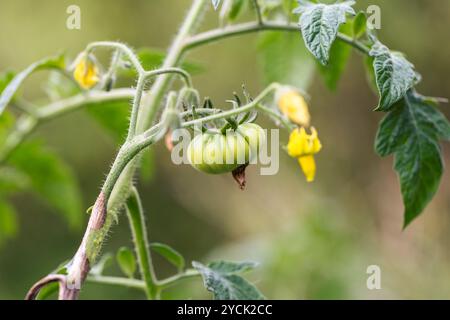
(359, 25)
(48, 291)
(370, 73)
(6, 123)
(51, 179)
(173, 256)
(319, 24)
(5, 79)
(339, 55)
(411, 131)
(8, 221)
(222, 280)
(14, 84)
(231, 10)
(228, 267)
(394, 75)
(112, 116)
(285, 59)
(127, 262)
(236, 9)
(12, 180)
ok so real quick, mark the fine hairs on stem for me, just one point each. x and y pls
(144, 130)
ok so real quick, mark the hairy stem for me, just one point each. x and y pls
(135, 213)
(139, 284)
(118, 281)
(81, 263)
(221, 115)
(175, 53)
(27, 123)
(258, 11)
(252, 27)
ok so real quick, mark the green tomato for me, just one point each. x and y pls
(255, 137)
(215, 153)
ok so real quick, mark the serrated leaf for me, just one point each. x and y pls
(173, 256)
(51, 179)
(222, 280)
(127, 262)
(319, 24)
(285, 59)
(394, 75)
(339, 55)
(8, 221)
(411, 131)
(228, 267)
(14, 84)
(359, 25)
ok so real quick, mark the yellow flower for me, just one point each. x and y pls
(304, 146)
(86, 72)
(294, 106)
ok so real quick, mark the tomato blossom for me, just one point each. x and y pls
(86, 72)
(294, 106)
(304, 146)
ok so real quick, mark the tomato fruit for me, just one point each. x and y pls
(216, 153)
(254, 135)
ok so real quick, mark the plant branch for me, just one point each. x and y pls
(139, 284)
(143, 77)
(175, 53)
(135, 213)
(119, 281)
(221, 115)
(28, 123)
(251, 27)
(166, 283)
(118, 46)
(258, 12)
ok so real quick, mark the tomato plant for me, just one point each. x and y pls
(227, 141)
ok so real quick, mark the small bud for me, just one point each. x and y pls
(168, 140)
(293, 105)
(86, 72)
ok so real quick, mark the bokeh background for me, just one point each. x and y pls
(312, 240)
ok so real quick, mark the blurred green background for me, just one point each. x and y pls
(312, 240)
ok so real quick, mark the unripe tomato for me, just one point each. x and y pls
(255, 137)
(216, 153)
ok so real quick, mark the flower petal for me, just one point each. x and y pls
(308, 165)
